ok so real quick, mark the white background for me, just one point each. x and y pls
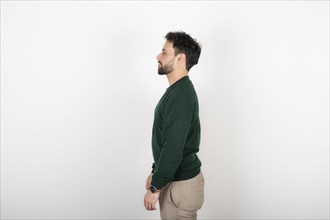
(79, 85)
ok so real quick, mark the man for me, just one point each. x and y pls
(176, 179)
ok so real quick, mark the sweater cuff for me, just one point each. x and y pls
(158, 182)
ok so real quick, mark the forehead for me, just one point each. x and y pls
(168, 46)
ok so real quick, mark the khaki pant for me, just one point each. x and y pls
(182, 199)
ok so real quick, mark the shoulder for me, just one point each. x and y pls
(184, 93)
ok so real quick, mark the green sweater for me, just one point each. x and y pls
(176, 135)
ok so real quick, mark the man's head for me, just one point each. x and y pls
(180, 50)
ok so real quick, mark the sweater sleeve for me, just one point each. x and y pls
(176, 124)
(153, 167)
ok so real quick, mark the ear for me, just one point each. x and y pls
(182, 57)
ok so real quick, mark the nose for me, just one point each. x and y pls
(158, 57)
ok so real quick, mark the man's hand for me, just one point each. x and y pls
(150, 200)
(148, 182)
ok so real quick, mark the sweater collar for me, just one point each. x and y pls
(183, 79)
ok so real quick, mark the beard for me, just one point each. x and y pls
(166, 69)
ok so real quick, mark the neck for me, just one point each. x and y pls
(173, 77)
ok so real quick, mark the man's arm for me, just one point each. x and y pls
(148, 182)
(177, 119)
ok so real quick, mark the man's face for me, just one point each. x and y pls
(166, 59)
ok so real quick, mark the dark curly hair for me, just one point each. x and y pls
(184, 43)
